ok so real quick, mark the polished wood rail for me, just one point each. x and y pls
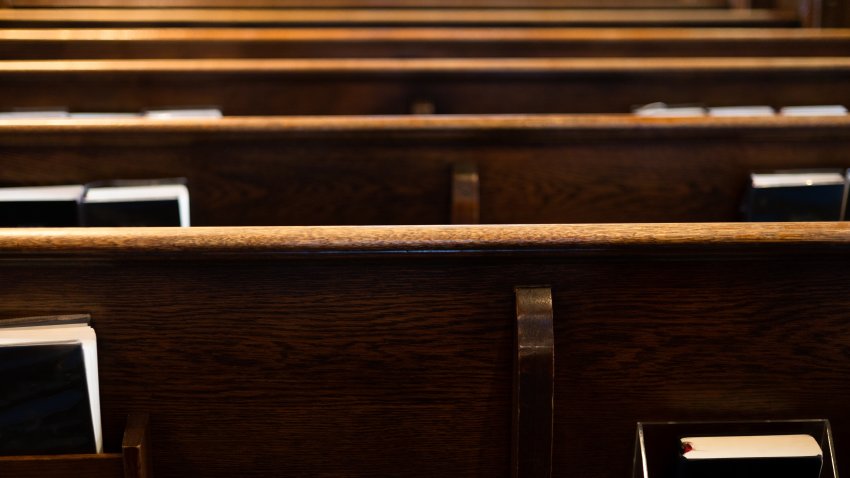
(85, 17)
(355, 42)
(365, 351)
(370, 3)
(397, 86)
(417, 170)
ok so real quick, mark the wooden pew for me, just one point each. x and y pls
(402, 86)
(47, 44)
(529, 169)
(375, 351)
(312, 18)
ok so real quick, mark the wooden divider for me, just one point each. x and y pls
(395, 86)
(88, 17)
(58, 44)
(379, 351)
(546, 169)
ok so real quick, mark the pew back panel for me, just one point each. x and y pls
(98, 18)
(353, 352)
(532, 169)
(393, 86)
(143, 43)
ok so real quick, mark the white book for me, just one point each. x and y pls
(741, 111)
(761, 446)
(15, 341)
(796, 179)
(34, 114)
(663, 110)
(42, 193)
(816, 110)
(118, 203)
(201, 113)
(104, 115)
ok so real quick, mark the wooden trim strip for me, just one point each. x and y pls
(752, 238)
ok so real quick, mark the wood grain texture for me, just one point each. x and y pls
(368, 241)
(534, 384)
(392, 86)
(136, 447)
(246, 362)
(45, 44)
(106, 465)
(357, 170)
(370, 3)
(88, 17)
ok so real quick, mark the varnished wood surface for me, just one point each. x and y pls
(85, 17)
(356, 365)
(370, 3)
(394, 86)
(360, 170)
(330, 242)
(108, 465)
(416, 42)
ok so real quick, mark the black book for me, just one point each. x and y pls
(40, 206)
(49, 399)
(163, 203)
(814, 195)
(766, 456)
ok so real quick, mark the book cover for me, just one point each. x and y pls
(155, 203)
(40, 206)
(49, 399)
(817, 195)
(766, 456)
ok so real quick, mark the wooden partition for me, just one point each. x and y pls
(99, 18)
(47, 44)
(402, 86)
(320, 171)
(379, 351)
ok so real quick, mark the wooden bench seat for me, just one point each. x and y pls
(47, 44)
(402, 86)
(358, 170)
(387, 351)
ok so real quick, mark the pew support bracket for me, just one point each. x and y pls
(534, 367)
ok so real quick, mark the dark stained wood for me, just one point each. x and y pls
(48, 44)
(297, 365)
(136, 447)
(466, 198)
(534, 384)
(532, 169)
(99, 18)
(106, 465)
(392, 86)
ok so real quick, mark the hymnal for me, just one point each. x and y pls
(816, 195)
(49, 401)
(765, 456)
(200, 113)
(136, 204)
(40, 206)
(740, 111)
(663, 110)
(815, 110)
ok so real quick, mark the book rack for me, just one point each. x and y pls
(132, 462)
